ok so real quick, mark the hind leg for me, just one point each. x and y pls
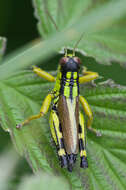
(88, 112)
(58, 138)
(82, 142)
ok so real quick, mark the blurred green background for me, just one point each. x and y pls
(21, 14)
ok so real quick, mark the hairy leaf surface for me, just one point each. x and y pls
(21, 96)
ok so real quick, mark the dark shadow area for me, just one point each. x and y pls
(17, 23)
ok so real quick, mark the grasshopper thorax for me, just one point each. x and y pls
(70, 63)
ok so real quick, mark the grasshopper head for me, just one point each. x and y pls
(70, 63)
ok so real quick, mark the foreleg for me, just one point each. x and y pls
(88, 76)
(43, 74)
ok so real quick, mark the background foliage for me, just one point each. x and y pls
(103, 25)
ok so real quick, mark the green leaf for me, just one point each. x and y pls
(107, 154)
(2, 46)
(56, 15)
(21, 96)
(42, 182)
(94, 21)
(105, 46)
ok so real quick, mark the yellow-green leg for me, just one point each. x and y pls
(82, 142)
(88, 112)
(88, 76)
(43, 74)
(58, 137)
(43, 110)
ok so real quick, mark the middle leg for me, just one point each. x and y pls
(44, 109)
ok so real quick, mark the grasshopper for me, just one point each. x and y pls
(66, 120)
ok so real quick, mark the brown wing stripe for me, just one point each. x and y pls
(68, 115)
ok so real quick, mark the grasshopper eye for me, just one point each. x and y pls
(63, 61)
(77, 60)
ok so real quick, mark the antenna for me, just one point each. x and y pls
(77, 43)
(65, 51)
